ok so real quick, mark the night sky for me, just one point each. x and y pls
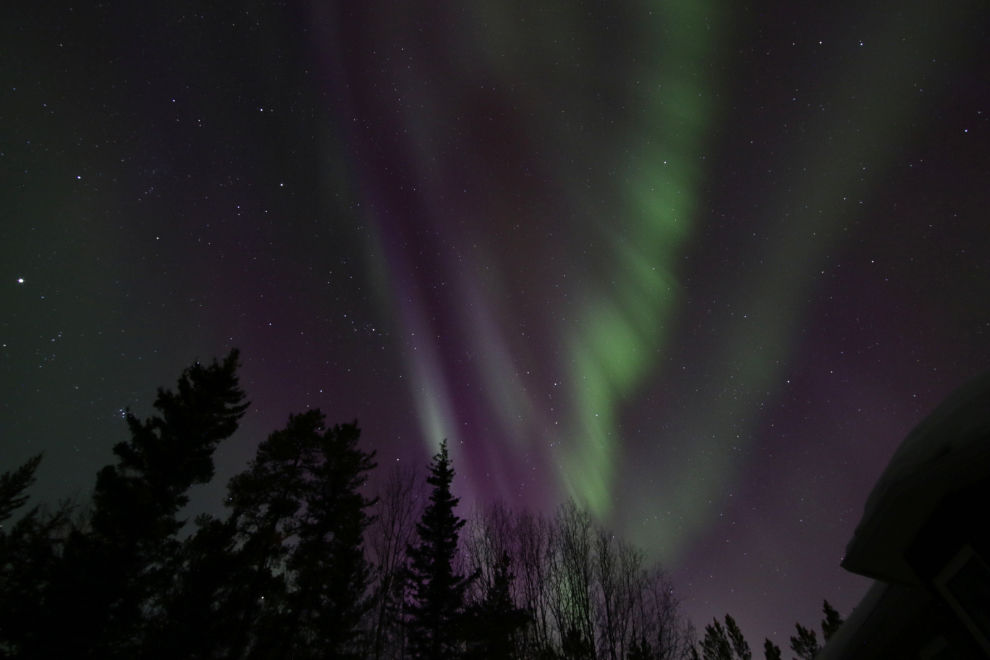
(699, 265)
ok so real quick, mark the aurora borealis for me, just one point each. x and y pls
(699, 265)
(460, 268)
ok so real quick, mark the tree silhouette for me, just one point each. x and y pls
(831, 622)
(716, 644)
(770, 650)
(28, 551)
(285, 575)
(264, 501)
(493, 623)
(641, 650)
(396, 513)
(114, 571)
(805, 643)
(739, 643)
(197, 619)
(589, 592)
(725, 643)
(331, 574)
(436, 590)
(12, 487)
(575, 645)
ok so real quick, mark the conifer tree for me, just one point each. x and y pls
(831, 622)
(805, 643)
(328, 564)
(770, 650)
(716, 644)
(739, 643)
(725, 643)
(436, 590)
(114, 571)
(265, 502)
(493, 623)
(28, 550)
(285, 575)
(12, 487)
(198, 617)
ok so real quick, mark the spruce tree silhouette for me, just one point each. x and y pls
(739, 643)
(805, 643)
(726, 643)
(716, 644)
(114, 571)
(437, 592)
(832, 621)
(492, 624)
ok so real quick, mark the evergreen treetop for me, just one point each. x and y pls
(437, 591)
(770, 650)
(805, 643)
(831, 622)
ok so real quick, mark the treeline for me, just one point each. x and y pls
(306, 564)
(728, 643)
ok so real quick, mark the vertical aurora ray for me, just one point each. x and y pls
(535, 174)
(849, 148)
(698, 265)
(623, 325)
(552, 183)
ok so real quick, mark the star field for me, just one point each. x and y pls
(700, 267)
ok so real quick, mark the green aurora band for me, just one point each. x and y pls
(849, 147)
(612, 345)
(623, 326)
